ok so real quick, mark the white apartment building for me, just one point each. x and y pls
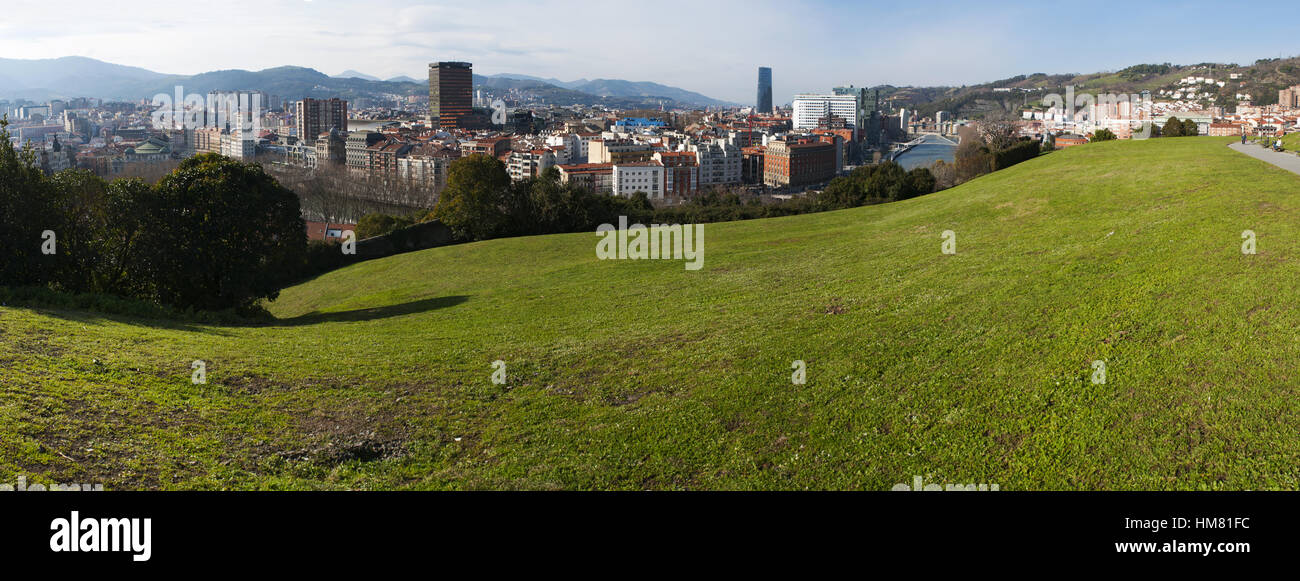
(810, 109)
(429, 172)
(234, 147)
(618, 150)
(630, 178)
(720, 162)
(573, 149)
(529, 164)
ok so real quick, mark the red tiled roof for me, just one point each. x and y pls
(316, 230)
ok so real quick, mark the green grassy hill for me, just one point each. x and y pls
(973, 367)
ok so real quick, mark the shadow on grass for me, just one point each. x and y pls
(91, 317)
(370, 314)
(95, 318)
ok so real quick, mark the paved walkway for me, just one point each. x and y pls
(1286, 161)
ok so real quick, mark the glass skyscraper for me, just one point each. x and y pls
(764, 102)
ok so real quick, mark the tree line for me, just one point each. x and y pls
(481, 202)
(212, 235)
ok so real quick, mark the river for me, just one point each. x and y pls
(934, 149)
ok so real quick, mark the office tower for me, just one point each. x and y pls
(860, 94)
(764, 103)
(317, 116)
(451, 93)
(809, 110)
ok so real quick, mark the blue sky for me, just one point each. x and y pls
(710, 46)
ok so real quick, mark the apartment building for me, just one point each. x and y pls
(490, 146)
(234, 146)
(315, 116)
(616, 151)
(796, 163)
(206, 140)
(597, 178)
(384, 155)
(681, 173)
(529, 164)
(357, 152)
(633, 177)
(426, 166)
(719, 161)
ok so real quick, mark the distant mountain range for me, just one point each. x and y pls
(351, 74)
(621, 88)
(69, 77)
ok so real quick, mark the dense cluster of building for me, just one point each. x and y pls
(1124, 115)
(606, 151)
(669, 155)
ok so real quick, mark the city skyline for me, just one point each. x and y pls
(947, 43)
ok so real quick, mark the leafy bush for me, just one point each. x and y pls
(973, 159)
(213, 235)
(1173, 128)
(868, 184)
(1021, 151)
(219, 234)
(26, 211)
(372, 225)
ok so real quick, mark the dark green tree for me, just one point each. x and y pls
(476, 204)
(219, 234)
(1173, 128)
(121, 258)
(372, 225)
(80, 198)
(27, 212)
(921, 182)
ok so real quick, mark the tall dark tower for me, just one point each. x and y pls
(451, 93)
(764, 102)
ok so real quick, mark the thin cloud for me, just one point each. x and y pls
(712, 47)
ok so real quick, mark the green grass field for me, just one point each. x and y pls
(1291, 142)
(973, 367)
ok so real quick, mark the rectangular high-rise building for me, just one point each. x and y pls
(810, 110)
(764, 102)
(862, 109)
(451, 93)
(316, 116)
